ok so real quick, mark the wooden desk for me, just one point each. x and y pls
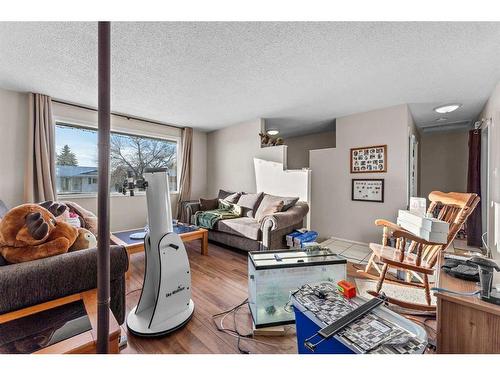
(84, 343)
(465, 324)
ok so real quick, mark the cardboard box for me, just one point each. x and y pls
(301, 239)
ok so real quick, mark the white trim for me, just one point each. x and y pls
(118, 129)
(70, 197)
(345, 240)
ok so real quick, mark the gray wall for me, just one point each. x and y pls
(199, 165)
(299, 147)
(333, 213)
(230, 157)
(13, 145)
(492, 110)
(443, 162)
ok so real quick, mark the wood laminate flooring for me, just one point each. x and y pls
(219, 282)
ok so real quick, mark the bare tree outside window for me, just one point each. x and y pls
(135, 154)
(76, 166)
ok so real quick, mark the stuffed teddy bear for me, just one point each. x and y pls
(31, 231)
(85, 240)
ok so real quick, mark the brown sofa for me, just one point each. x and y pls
(246, 232)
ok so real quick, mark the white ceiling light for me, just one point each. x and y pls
(447, 108)
(273, 132)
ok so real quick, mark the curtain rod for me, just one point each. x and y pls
(117, 114)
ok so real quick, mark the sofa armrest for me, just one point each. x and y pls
(275, 227)
(31, 283)
(281, 220)
(191, 208)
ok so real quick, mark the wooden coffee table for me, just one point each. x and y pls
(135, 246)
(83, 343)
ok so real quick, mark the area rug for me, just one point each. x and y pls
(401, 292)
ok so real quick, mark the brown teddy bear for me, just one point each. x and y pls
(31, 231)
(85, 240)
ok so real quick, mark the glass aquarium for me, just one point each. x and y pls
(274, 275)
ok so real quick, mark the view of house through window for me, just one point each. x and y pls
(76, 159)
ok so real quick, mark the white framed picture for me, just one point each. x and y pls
(368, 190)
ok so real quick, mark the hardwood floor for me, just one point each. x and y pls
(219, 282)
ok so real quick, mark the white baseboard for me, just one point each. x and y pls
(346, 240)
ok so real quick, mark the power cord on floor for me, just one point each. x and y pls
(235, 332)
(232, 332)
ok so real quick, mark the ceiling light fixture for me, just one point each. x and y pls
(273, 132)
(447, 108)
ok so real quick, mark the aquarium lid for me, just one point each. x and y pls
(293, 258)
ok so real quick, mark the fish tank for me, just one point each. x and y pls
(274, 275)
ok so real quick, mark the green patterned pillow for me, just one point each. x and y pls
(231, 207)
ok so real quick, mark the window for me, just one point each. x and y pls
(76, 158)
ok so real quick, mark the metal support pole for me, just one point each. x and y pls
(104, 116)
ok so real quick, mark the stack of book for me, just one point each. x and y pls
(430, 229)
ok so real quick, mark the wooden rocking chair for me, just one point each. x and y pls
(413, 254)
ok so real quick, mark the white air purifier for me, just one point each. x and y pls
(165, 303)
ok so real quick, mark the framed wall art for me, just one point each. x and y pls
(368, 190)
(371, 159)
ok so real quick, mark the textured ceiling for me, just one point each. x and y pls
(211, 75)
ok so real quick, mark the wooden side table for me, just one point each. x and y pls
(135, 246)
(83, 343)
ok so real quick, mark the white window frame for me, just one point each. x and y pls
(125, 131)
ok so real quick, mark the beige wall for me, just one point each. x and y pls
(333, 213)
(125, 212)
(13, 145)
(199, 165)
(492, 110)
(230, 157)
(299, 147)
(443, 162)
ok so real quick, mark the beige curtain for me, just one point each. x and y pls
(185, 180)
(40, 178)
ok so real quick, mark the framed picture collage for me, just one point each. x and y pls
(370, 159)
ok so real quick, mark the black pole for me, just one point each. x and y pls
(103, 135)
